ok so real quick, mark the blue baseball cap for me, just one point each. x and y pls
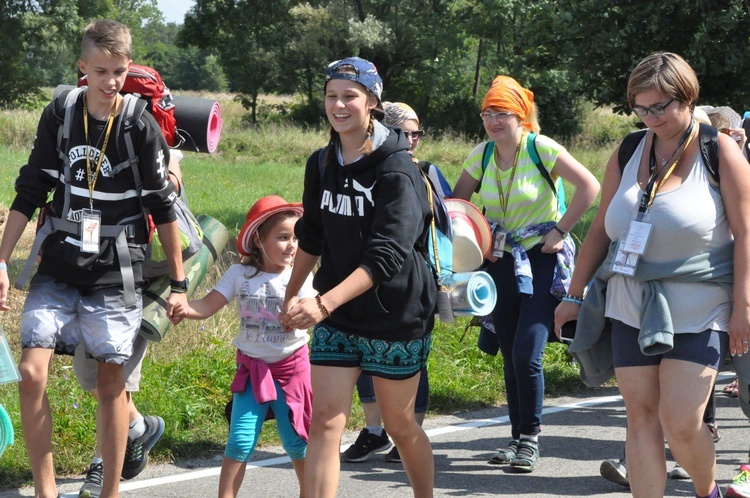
(365, 74)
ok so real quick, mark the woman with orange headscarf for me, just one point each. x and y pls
(516, 174)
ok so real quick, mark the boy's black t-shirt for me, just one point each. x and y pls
(115, 194)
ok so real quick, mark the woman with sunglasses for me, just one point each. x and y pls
(373, 438)
(530, 233)
(673, 308)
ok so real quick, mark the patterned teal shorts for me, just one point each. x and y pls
(394, 360)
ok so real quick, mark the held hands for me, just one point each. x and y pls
(177, 307)
(301, 314)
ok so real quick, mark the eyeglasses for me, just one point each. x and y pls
(655, 110)
(414, 135)
(495, 116)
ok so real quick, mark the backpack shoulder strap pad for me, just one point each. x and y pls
(709, 147)
(132, 110)
(628, 146)
(534, 155)
(489, 149)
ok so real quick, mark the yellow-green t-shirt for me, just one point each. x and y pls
(531, 199)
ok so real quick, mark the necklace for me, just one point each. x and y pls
(663, 161)
(682, 141)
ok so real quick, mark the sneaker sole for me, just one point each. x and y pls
(610, 473)
(364, 458)
(522, 469)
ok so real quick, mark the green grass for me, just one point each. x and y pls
(186, 376)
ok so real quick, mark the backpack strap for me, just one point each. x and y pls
(489, 149)
(709, 147)
(708, 144)
(322, 160)
(628, 146)
(534, 155)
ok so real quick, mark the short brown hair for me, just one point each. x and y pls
(111, 37)
(666, 72)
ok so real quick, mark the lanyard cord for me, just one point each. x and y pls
(505, 196)
(649, 193)
(91, 178)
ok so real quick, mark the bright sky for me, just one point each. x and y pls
(175, 10)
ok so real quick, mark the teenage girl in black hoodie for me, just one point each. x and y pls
(366, 213)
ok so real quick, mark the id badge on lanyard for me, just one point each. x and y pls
(91, 223)
(631, 247)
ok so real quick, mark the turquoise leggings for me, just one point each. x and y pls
(247, 420)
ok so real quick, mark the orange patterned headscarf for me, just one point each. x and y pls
(506, 93)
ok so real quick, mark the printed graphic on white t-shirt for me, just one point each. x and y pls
(259, 300)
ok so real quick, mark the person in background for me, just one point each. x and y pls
(143, 430)
(727, 121)
(373, 438)
(273, 370)
(665, 369)
(529, 231)
(366, 215)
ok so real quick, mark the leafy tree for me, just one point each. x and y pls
(18, 81)
(247, 35)
(605, 39)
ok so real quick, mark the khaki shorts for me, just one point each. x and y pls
(86, 368)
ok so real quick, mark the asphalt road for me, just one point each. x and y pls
(578, 433)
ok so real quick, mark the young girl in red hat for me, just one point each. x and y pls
(273, 370)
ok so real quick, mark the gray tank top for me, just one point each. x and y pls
(685, 221)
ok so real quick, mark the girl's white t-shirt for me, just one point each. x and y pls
(259, 300)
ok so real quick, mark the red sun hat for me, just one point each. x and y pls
(263, 209)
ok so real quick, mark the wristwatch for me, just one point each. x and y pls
(179, 286)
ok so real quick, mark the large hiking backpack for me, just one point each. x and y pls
(191, 234)
(145, 82)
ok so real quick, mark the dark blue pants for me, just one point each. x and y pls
(523, 324)
(366, 390)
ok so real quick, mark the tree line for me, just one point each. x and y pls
(437, 55)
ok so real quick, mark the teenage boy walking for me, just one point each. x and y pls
(86, 289)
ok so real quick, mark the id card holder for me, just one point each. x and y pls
(445, 312)
(91, 224)
(624, 263)
(498, 243)
(637, 238)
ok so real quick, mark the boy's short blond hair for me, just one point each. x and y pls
(111, 37)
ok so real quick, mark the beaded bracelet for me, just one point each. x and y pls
(321, 306)
(567, 298)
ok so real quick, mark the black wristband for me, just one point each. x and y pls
(179, 286)
(559, 230)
